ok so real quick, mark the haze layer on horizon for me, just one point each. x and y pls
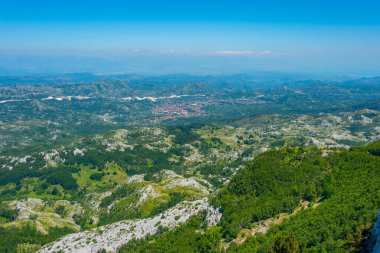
(202, 37)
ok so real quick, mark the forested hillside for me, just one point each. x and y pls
(341, 189)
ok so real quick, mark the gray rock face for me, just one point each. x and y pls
(373, 243)
(110, 237)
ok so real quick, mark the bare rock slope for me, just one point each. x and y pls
(110, 237)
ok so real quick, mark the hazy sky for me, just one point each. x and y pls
(165, 36)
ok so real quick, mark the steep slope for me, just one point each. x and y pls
(339, 192)
(345, 184)
(111, 237)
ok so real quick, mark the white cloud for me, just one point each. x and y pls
(242, 53)
(233, 52)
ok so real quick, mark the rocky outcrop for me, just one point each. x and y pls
(110, 237)
(41, 214)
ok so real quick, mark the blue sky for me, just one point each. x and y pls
(165, 36)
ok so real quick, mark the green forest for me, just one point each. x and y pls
(342, 190)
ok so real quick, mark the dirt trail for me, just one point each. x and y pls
(264, 225)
